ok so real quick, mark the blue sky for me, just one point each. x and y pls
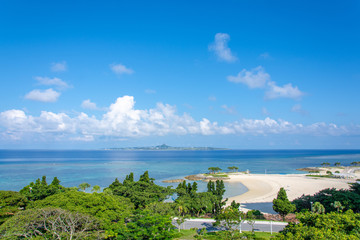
(237, 74)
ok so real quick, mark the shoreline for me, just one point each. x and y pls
(264, 187)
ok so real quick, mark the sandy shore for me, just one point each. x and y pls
(264, 187)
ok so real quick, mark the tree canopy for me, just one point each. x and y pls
(282, 205)
(40, 189)
(110, 210)
(142, 192)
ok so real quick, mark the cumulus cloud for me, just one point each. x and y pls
(123, 120)
(221, 49)
(286, 91)
(254, 78)
(87, 104)
(59, 66)
(48, 95)
(258, 78)
(52, 82)
(120, 69)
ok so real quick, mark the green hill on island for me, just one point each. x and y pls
(165, 147)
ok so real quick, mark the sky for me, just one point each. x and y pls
(236, 74)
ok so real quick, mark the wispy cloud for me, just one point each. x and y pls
(59, 66)
(286, 91)
(123, 120)
(229, 110)
(265, 55)
(52, 82)
(221, 49)
(120, 69)
(254, 78)
(298, 109)
(87, 104)
(48, 95)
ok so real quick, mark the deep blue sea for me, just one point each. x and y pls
(100, 167)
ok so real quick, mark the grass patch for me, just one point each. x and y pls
(320, 176)
(219, 175)
(186, 234)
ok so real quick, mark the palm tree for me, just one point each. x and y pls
(337, 164)
(96, 188)
(337, 205)
(84, 186)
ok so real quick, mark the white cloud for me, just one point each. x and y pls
(87, 104)
(298, 109)
(52, 82)
(229, 110)
(59, 66)
(265, 55)
(286, 91)
(255, 78)
(48, 95)
(121, 69)
(221, 49)
(123, 120)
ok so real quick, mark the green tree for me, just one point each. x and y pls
(40, 189)
(318, 208)
(323, 227)
(50, 223)
(110, 210)
(229, 217)
(337, 164)
(145, 225)
(235, 205)
(142, 192)
(282, 205)
(84, 186)
(349, 199)
(337, 205)
(96, 188)
(11, 203)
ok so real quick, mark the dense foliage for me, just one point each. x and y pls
(314, 226)
(349, 199)
(142, 192)
(110, 210)
(11, 203)
(40, 189)
(147, 225)
(282, 205)
(50, 223)
(191, 202)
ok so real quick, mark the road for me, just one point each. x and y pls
(259, 226)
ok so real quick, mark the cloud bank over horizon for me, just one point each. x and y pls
(123, 120)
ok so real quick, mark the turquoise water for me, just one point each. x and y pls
(19, 167)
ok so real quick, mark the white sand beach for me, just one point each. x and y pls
(264, 187)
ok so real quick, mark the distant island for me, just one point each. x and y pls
(165, 147)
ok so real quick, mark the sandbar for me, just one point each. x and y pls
(264, 187)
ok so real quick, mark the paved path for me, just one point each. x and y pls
(259, 226)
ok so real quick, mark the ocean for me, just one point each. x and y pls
(100, 167)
